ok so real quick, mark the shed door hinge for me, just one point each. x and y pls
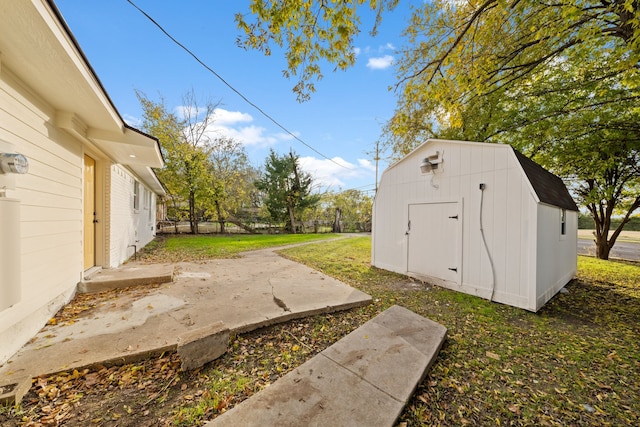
(453, 269)
(454, 217)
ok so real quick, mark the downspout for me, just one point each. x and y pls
(486, 247)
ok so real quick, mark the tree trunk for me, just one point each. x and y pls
(601, 212)
(193, 222)
(221, 220)
(292, 218)
(602, 247)
(337, 223)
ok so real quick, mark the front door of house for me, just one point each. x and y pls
(89, 212)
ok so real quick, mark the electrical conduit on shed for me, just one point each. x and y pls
(486, 247)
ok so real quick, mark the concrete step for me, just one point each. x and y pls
(127, 275)
(365, 379)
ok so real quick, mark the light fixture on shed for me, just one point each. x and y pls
(431, 163)
(425, 166)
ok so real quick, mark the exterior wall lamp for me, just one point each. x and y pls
(13, 163)
(431, 163)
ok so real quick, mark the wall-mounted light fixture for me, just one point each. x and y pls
(431, 163)
(13, 163)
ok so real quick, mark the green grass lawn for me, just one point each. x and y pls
(198, 247)
(574, 363)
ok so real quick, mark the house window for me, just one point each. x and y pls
(563, 222)
(136, 195)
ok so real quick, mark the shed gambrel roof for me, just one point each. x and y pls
(549, 187)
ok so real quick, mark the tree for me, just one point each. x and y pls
(232, 179)
(165, 126)
(287, 189)
(559, 80)
(311, 32)
(529, 33)
(349, 210)
(561, 85)
(185, 148)
(590, 135)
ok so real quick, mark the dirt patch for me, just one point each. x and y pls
(409, 285)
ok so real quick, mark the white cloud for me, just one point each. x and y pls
(132, 120)
(380, 63)
(387, 46)
(224, 117)
(184, 111)
(333, 173)
(237, 125)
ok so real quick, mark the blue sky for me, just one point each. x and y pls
(342, 120)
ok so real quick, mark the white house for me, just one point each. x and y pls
(77, 189)
(477, 218)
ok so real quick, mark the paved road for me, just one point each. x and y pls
(624, 250)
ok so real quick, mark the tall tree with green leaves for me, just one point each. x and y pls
(558, 80)
(185, 147)
(349, 210)
(586, 129)
(232, 179)
(287, 189)
(311, 32)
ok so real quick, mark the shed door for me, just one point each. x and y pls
(433, 240)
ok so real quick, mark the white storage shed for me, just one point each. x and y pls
(477, 218)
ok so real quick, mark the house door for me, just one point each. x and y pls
(89, 212)
(433, 240)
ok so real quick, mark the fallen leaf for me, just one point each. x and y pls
(492, 355)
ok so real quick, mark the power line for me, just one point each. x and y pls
(212, 71)
(362, 187)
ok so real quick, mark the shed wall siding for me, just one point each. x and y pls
(556, 253)
(509, 216)
(50, 212)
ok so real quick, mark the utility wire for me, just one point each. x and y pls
(212, 71)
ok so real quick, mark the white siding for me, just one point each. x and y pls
(557, 262)
(50, 213)
(510, 219)
(390, 223)
(129, 226)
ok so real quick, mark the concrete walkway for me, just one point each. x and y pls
(365, 379)
(205, 298)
